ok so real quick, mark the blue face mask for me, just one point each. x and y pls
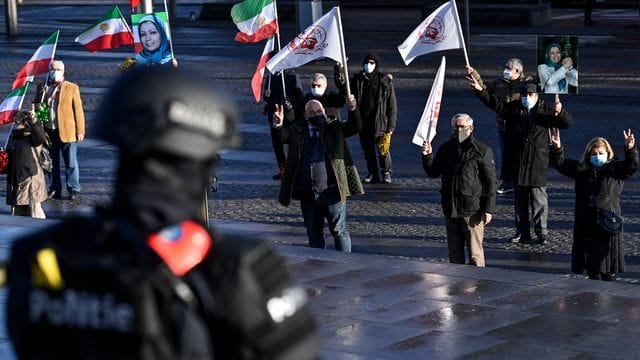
(597, 160)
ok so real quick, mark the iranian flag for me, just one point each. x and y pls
(256, 81)
(39, 62)
(12, 103)
(256, 19)
(108, 33)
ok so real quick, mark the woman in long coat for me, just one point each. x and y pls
(599, 179)
(26, 186)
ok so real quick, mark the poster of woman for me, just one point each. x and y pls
(558, 64)
(152, 39)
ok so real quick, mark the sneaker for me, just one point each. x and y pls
(520, 239)
(542, 239)
(504, 189)
(54, 194)
(73, 195)
(386, 179)
(371, 179)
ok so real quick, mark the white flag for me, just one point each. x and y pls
(320, 39)
(427, 126)
(439, 31)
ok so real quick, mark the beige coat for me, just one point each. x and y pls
(70, 112)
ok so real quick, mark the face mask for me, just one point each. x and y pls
(507, 74)
(527, 102)
(461, 134)
(597, 160)
(318, 120)
(368, 68)
(317, 92)
(55, 76)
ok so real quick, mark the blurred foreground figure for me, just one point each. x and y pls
(144, 278)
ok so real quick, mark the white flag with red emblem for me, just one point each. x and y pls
(320, 39)
(427, 126)
(439, 31)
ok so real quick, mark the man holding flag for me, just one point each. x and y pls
(58, 103)
(468, 188)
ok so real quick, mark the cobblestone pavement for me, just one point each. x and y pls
(402, 219)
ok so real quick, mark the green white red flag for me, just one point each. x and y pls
(39, 62)
(256, 19)
(12, 103)
(109, 32)
(256, 81)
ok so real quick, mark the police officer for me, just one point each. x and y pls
(88, 287)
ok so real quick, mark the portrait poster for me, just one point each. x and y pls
(557, 64)
(152, 38)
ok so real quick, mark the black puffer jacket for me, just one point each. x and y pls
(468, 180)
(530, 132)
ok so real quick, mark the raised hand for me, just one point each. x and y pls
(278, 116)
(474, 84)
(558, 105)
(629, 139)
(555, 138)
(426, 148)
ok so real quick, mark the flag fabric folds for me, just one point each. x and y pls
(256, 81)
(11, 104)
(109, 32)
(39, 62)
(429, 120)
(320, 39)
(439, 31)
(256, 19)
(134, 3)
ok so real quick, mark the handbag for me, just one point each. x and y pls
(4, 161)
(609, 221)
(44, 157)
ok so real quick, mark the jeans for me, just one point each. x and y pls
(69, 152)
(377, 164)
(537, 197)
(329, 206)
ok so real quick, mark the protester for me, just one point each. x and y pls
(599, 180)
(378, 108)
(320, 171)
(507, 88)
(468, 188)
(156, 47)
(26, 185)
(292, 100)
(558, 73)
(144, 278)
(528, 121)
(331, 101)
(60, 101)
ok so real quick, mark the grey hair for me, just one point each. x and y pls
(461, 116)
(57, 62)
(318, 76)
(516, 64)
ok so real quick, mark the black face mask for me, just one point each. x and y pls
(318, 120)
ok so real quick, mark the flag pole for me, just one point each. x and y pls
(124, 20)
(46, 79)
(284, 89)
(464, 45)
(342, 51)
(169, 30)
(6, 143)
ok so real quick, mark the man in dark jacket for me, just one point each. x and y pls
(468, 188)
(331, 101)
(289, 97)
(528, 121)
(378, 108)
(320, 171)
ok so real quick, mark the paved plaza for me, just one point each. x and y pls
(396, 296)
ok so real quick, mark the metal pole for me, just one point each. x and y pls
(146, 6)
(467, 24)
(11, 17)
(173, 9)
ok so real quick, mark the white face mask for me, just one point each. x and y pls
(527, 102)
(368, 68)
(507, 74)
(56, 76)
(317, 91)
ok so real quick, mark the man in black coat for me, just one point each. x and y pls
(378, 108)
(528, 121)
(468, 188)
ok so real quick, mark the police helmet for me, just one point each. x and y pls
(163, 109)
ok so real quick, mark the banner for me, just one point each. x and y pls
(151, 38)
(429, 120)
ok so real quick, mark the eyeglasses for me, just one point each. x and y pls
(459, 127)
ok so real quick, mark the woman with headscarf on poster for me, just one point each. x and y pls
(558, 73)
(156, 47)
